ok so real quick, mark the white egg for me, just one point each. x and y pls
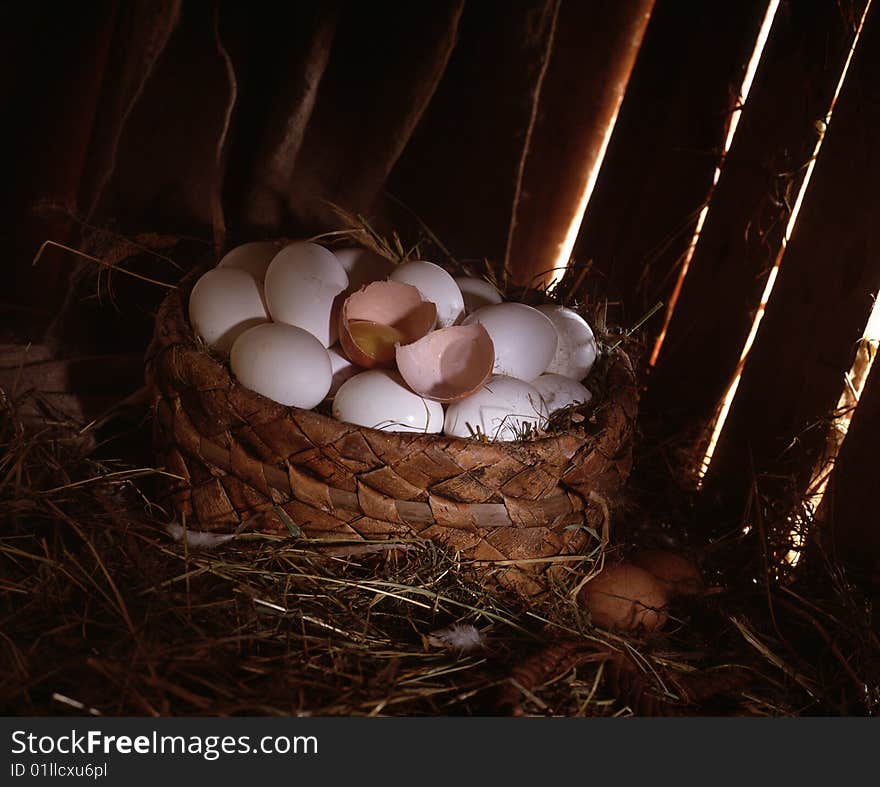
(303, 283)
(576, 351)
(379, 399)
(284, 363)
(341, 367)
(477, 292)
(251, 257)
(558, 391)
(363, 266)
(223, 304)
(502, 410)
(435, 285)
(524, 338)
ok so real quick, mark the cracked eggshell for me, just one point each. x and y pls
(283, 363)
(379, 399)
(447, 364)
(576, 350)
(436, 286)
(303, 283)
(524, 338)
(363, 266)
(623, 597)
(477, 293)
(251, 257)
(379, 316)
(223, 304)
(559, 391)
(500, 409)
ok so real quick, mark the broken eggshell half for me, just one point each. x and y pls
(448, 364)
(379, 316)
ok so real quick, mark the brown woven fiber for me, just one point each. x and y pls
(248, 463)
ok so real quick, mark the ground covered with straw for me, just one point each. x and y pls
(105, 612)
(109, 607)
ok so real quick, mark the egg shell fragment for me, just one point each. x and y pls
(303, 283)
(624, 597)
(501, 409)
(559, 392)
(576, 349)
(477, 293)
(379, 399)
(223, 304)
(436, 286)
(447, 364)
(283, 363)
(390, 304)
(524, 338)
(251, 257)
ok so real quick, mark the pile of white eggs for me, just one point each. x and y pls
(404, 348)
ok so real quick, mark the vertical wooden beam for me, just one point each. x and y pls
(823, 296)
(594, 51)
(746, 223)
(664, 151)
(851, 513)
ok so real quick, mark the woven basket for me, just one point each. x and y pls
(506, 508)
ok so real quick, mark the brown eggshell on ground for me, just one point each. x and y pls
(448, 364)
(679, 573)
(624, 597)
(384, 303)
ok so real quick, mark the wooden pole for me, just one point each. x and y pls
(594, 51)
(850, 512)
(830, 273)
(667, 143)
(748, 216)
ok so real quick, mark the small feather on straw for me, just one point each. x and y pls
(460, 636)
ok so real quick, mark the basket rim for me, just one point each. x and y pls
(182, 340)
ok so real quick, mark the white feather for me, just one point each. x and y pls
(196, 538)
(459, 636)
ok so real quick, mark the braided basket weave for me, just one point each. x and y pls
(247, 463)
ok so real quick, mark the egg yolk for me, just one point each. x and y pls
(376, 340)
